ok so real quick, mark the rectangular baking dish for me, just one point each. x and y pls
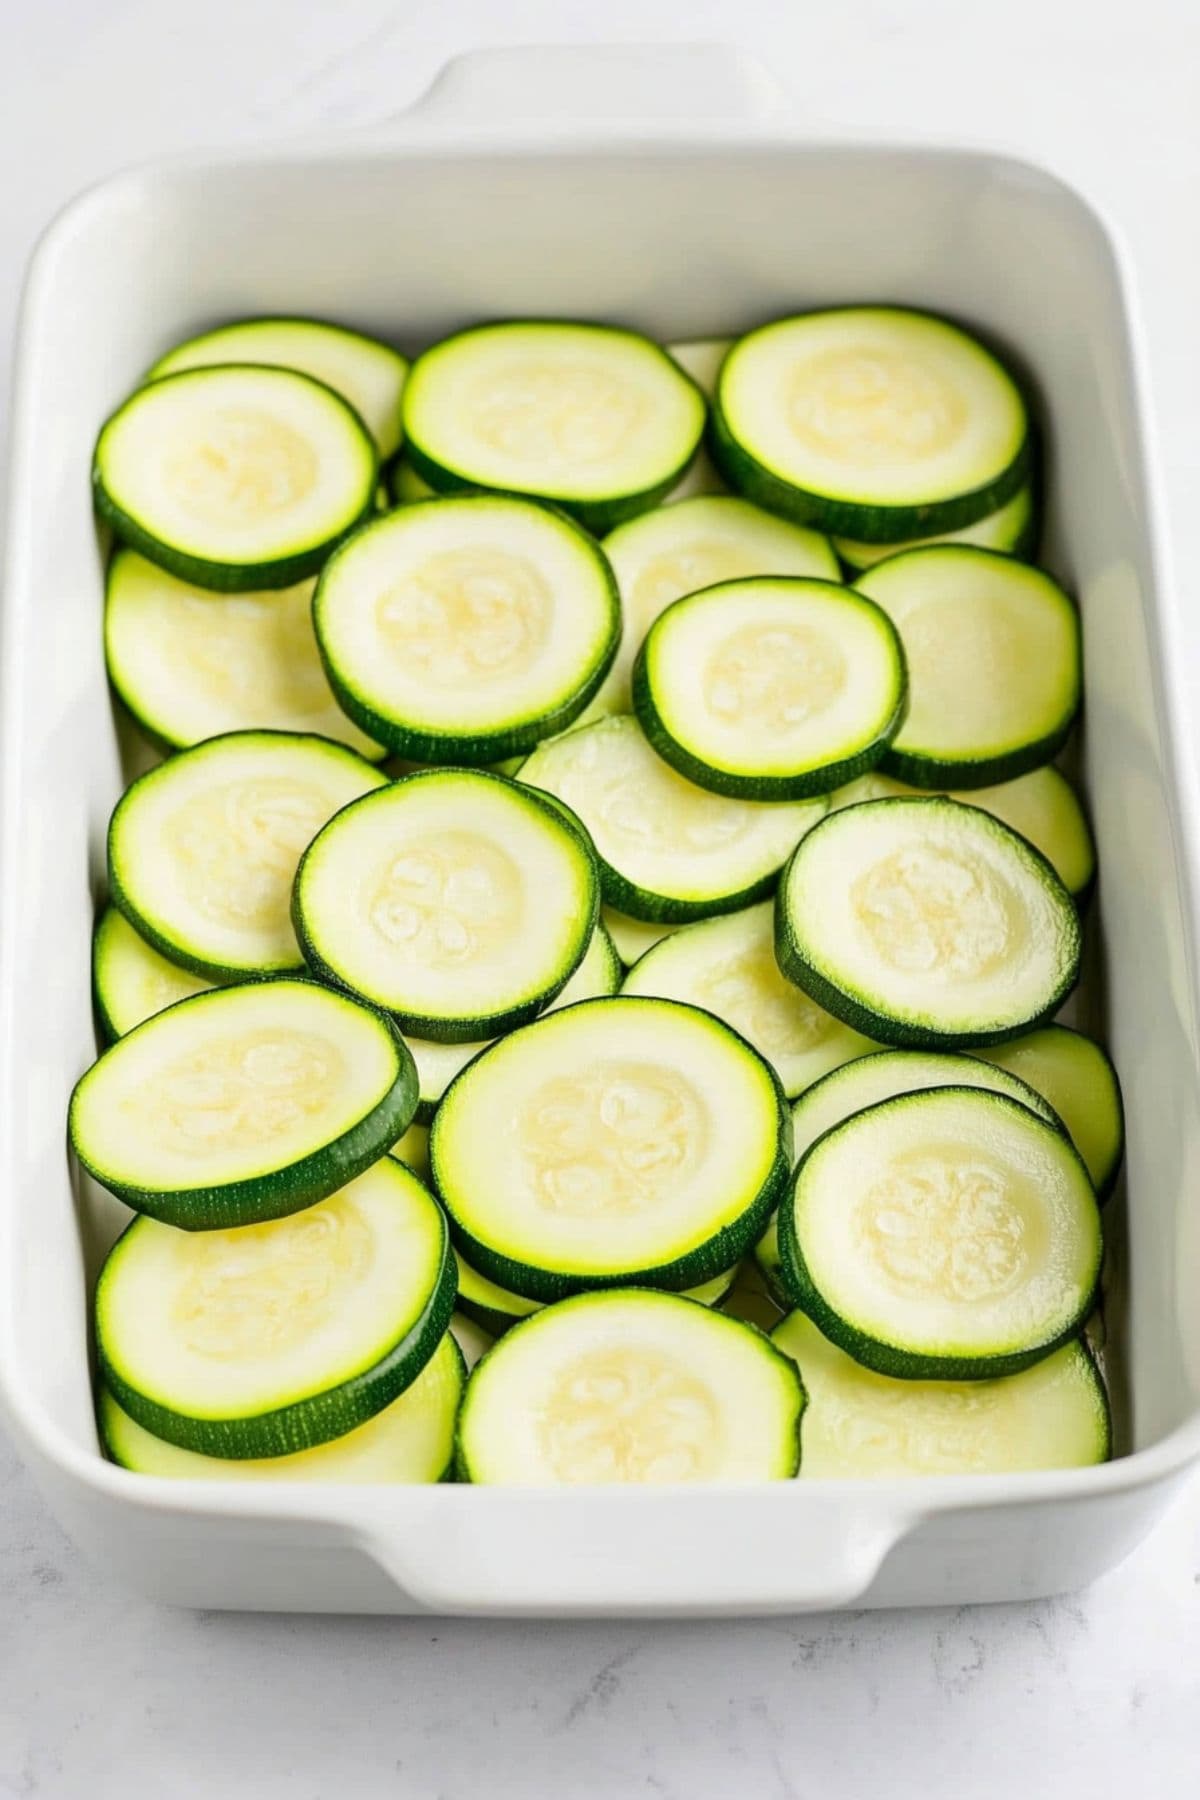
(670, 189)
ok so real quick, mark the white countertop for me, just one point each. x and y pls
(102, 1694)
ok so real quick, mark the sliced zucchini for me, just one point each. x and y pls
(368, 374)
(407, 485)
(437, 1064)
(993, 664)
(943, 1235)
(1012, 528)
(873, 422)
(598, 419)
(771, 687)
(692, 544)
(1075, 1076)
(668, 850)
(632, 937)
(1042, 806)
(465, 630)
(243, 1104)
(277, 1337)
(727, 966)
(412, 1440)
(130, 979)
(862, 1426)
(926, 923)
(495, 1308)
(455, 899)
(866, 1081)
(202, 850)
(190, 666)
(617, 1141)
(235, 477)
(630, 1387)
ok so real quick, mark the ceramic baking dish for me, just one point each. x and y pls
(672, 190)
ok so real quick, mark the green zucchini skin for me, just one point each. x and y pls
(935, 775)
(318, 1417)
(254, 1199)
(224, 577)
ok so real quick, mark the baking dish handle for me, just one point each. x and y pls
(569, 89)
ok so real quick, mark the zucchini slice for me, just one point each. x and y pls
(944, 1235)
(727, 966)
(771, 687)
(274, 1338)
(866, 1081)
(437, 1064)
(926, 923)
(235, 477)
(191, 666)
(668, 850)
(866, 1427)
(243, 1104)
(457, 900)
(1012, 529)
(495, 1308)
(412, 1440)
(1076, 1077)
(632, 937)
(617, 1141)
(630, 1387)
(466, 630)
(130, 979)
(368, 374)
(693, 544)
(871, 422)
(600, 420)
(1042, 806)
(993, 656)
(202, 850)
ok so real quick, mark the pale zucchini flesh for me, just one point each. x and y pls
(630, 1387)
(131, 980)
(1076, 1076)
(1011, 528)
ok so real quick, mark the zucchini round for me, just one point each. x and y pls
(870, 422)
(630, 1387)
(926, 923)
(131, 980)
(618, 1141)
(235, 477)
(668, 850)
(947, 1234)
(771, 688)
(994, 670)
(243, 1104)
(272, 1339)
(1076, 1077)
(456, 900)
(202, 850)
(599, 420)
(1012, 528)
(465, 630)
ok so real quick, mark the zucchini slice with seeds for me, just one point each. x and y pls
(692, 544)
(190, 665)
(771, 687)
(202, 850)
(1075, 1075)
(131, 980)
(669, 851)
(926, 923)
(1012, 528)
(281, 1336)
(993, 656)
(862, 1426)
(870, 422)
(235, 477)
(630, 1387)
(948, 1235)
(367, 373)
(600, 420)
(465, 630)
(727, 966)
(456, 900)
(618, 1141)
(412, 1440)
(243, 1104)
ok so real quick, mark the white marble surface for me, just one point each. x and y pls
(101, 1694)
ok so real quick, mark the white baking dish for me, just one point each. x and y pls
(666, 189)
